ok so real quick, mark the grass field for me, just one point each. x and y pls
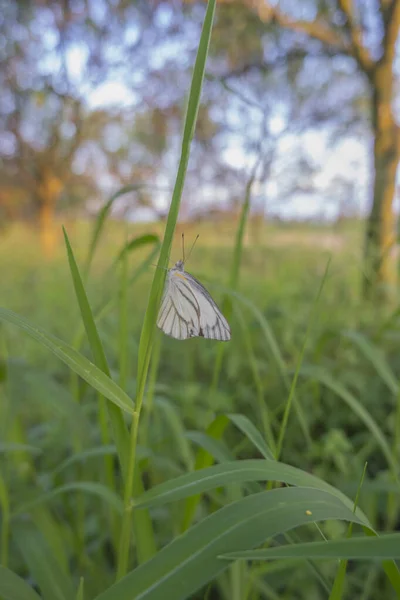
(61, 486)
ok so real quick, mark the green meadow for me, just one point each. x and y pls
(296, 315)
(134, 466)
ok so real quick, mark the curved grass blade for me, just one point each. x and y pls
(147, 333)
(84, 456)
(204, 459)
(75, 361)
(135, 244)
(54, 584)
(327, 380)
(7, 447)
(252, 433)
(88, 487)
(13, 587)
(377, 359)
(237, 472)
(116, 417)
(101, 219)
(191, 560)
(355, 548)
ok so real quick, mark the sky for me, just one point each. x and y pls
(349, 158)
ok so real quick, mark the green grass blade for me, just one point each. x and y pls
(54, 584)
(13, 587)
(192, 560)
(264, 414)
(116, 417)
(7, 447)
(236, 472)
(80, 592)
(342, 392)
(101, 220)
(88, 487)
(389, 566)
(355, 548)
(147, 333)
(338, 584)
(274, 349)
(123, 329)
(135, 244)
(234, 272)
(290, 399)
(203, 459)
(75, 361)
(84, 456)
(218, 450)
(377, 359)
(252, 433)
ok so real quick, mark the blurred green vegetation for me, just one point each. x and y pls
(348, 380)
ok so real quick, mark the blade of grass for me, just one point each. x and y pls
(288, 405)
(262, 405)
(123, 322)
(338, 584)
(203, 459)
(75, 361)
(13, 587)
(191, 560)
(235, 270)
(147, 334)
(101, 221)
(116, 417)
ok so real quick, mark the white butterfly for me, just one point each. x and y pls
(187, 309)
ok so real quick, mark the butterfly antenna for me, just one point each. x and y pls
(190, 252)
(183, 247)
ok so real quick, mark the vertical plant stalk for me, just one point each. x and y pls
(289, 402)
(155, 361)
(235, 269)
(123, 323)
(392, 500)
(147, 334)
(5, 522)
(338, 584)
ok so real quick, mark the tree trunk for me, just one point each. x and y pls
(48, 192)
(381, 235)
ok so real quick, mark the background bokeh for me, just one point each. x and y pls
(297, 122)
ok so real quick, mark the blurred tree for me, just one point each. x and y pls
(57, 147)
(366, 32)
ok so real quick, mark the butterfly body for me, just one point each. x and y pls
(187, 309)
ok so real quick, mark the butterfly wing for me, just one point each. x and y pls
(179, 312)
(212, 323)
(187, 310)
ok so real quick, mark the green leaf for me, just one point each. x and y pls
(7, 447)
(135, 244)
(13, 587)
(377, 359)
(355, 548)
(240, 471)
(84, 456)
(204, 459)
(149, 321)
(101, 219)
(192, 560)
(75, 361)
(116, 417)
(252, 433)
(216, 448)
(326, 379)
(79, 593)
(88, 487)
(54, 584)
